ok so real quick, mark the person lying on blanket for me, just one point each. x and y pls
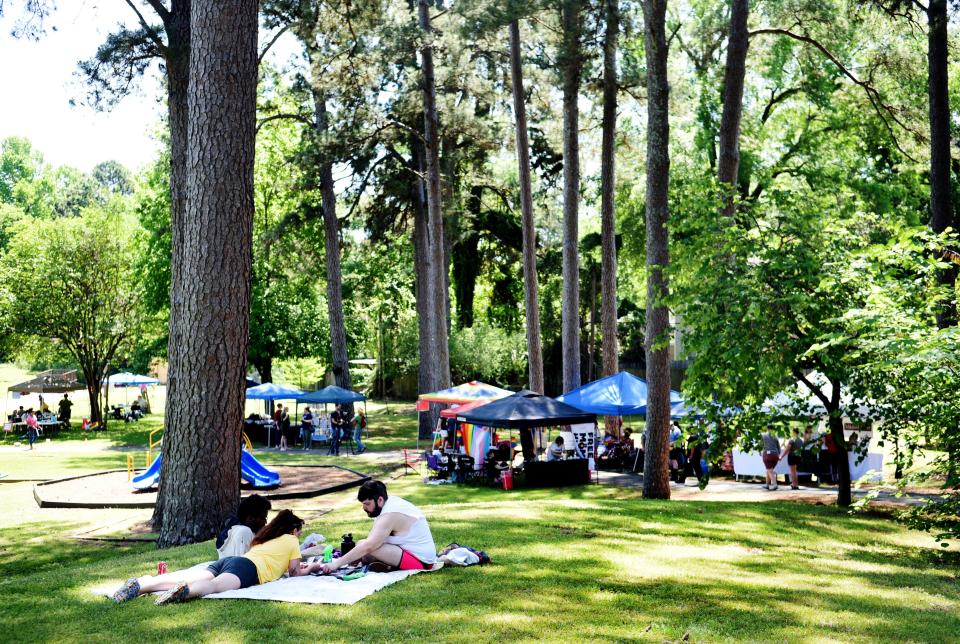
(275, 550)
(400, 538)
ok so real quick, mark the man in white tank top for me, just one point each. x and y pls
(400, 538)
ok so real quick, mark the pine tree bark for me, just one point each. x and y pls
(728, 166)
(608, 216)
(941, 208)
(331, 229)
(656, 483)
(426, 370)
(531, 297)
(434, 237)
(177, 60)
(200, 475)
(571, 62)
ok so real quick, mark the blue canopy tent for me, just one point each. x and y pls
(622, 394)
(271, 391)
(331, 394)
(334, 395)
(127, 379)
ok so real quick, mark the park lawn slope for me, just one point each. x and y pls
(581, 564)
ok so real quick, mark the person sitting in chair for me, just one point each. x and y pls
(400, 538)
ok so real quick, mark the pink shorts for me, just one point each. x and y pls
(409, 562)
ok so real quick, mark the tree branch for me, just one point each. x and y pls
(277, 117)
(872, 94)
(143, 23)
(161, 10)
(270, 44)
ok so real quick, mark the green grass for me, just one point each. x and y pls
(579, 564)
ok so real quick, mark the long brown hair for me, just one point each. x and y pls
(284, 523)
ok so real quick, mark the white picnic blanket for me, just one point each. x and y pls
(309, 589)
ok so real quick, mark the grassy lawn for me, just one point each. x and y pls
(580, 564)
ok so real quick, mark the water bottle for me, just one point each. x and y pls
(347, 544)
(328, 554)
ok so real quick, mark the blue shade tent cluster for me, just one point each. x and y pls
(127, 379)
(622, 394)
(525, 409)
(331, 394)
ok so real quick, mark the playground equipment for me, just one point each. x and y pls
(251, 470)
(150, 477)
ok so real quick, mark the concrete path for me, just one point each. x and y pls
(725, 489)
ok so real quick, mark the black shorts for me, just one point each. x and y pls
(241, 567)
(793, 459)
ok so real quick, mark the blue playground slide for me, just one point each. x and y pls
(150, 478)
(252, 471)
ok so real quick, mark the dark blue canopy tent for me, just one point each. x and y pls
(622, 394)
(331, 394)
(271, 391)
(525, 409)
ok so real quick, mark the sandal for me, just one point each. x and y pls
(129, 590)
(175, 595)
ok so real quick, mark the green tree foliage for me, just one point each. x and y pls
(71, 282)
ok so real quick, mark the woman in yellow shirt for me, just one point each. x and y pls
(275, 550)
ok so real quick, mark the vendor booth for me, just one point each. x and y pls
(473, 392)
(799, 403)
(329, 395)
(268, 391)
(622, 394)
(527, 412)
(52, 381)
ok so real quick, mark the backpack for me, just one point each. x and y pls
(363, 421)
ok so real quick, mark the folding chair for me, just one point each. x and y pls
(411, 462)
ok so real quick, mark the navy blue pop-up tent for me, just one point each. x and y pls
(331, 394)
(525, 409)
(622, 394)
(270, 391)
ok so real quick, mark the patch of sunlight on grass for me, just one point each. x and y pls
(509, 618)
(494, 512)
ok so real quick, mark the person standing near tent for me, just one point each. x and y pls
(359, 424)
(65, 410)
(770, 456)
(306, 428)
(284, 426)
(338, 428)
(32, 426)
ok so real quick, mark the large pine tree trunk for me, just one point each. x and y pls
(438, 280)
(331, 229)
(200, 476)
(608, 216)
(571, 62)
(729, 162)
(941, 209)
(531, 298)
(656, 483)
(177, 61)
(426, 371)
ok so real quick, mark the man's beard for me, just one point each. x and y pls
(376, 512)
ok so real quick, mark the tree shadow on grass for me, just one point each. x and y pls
(40, 547)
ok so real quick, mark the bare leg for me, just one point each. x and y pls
(794, 481)
(223, 581)
(387, 553)
(149, 584)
